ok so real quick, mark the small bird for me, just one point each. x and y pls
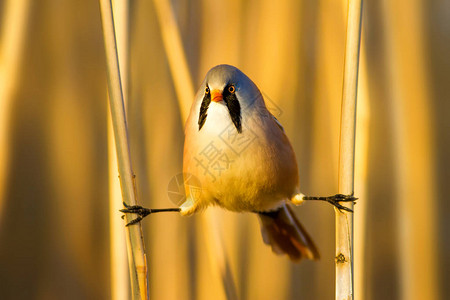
(240, 155)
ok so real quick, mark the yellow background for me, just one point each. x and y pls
(54, 182)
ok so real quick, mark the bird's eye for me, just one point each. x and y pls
(231, 89)
(206, 90)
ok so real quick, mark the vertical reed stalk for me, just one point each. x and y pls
(176, 56)
(14, 23)
(185, 94)
(135, 242)
(120, 288)
(344, 220)
(405, 39)
(361, 162)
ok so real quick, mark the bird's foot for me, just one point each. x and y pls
(335, 200)
(142, 212)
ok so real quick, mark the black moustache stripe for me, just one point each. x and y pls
(203, 110)
(234, 108)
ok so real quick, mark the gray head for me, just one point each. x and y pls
(227, 85)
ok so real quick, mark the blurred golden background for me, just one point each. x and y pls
(55, 240)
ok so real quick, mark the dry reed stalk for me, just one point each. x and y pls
(361, 164)
(361, 161)
(344, 220)
(14, 23)
(120, 287)
(409, 87)
(185, 94)
(176, 56)
(218, 259)
(135, 242)
(118, 250)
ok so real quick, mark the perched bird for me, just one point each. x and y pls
(262, 177)
(240, 155)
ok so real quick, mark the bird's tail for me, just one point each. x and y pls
(282, 230)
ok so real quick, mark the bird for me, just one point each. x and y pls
(243, 161)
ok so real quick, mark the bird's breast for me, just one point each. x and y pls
(247, 171)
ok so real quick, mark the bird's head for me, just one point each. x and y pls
(227, 86)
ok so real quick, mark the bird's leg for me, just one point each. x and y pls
(142, 212)
(333, 200)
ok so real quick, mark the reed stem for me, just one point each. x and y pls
(135, 243)
(14, 21)
(344, 220)
(120, 283)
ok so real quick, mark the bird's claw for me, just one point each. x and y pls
(334, 200)
(135, 209)
(142, 212)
